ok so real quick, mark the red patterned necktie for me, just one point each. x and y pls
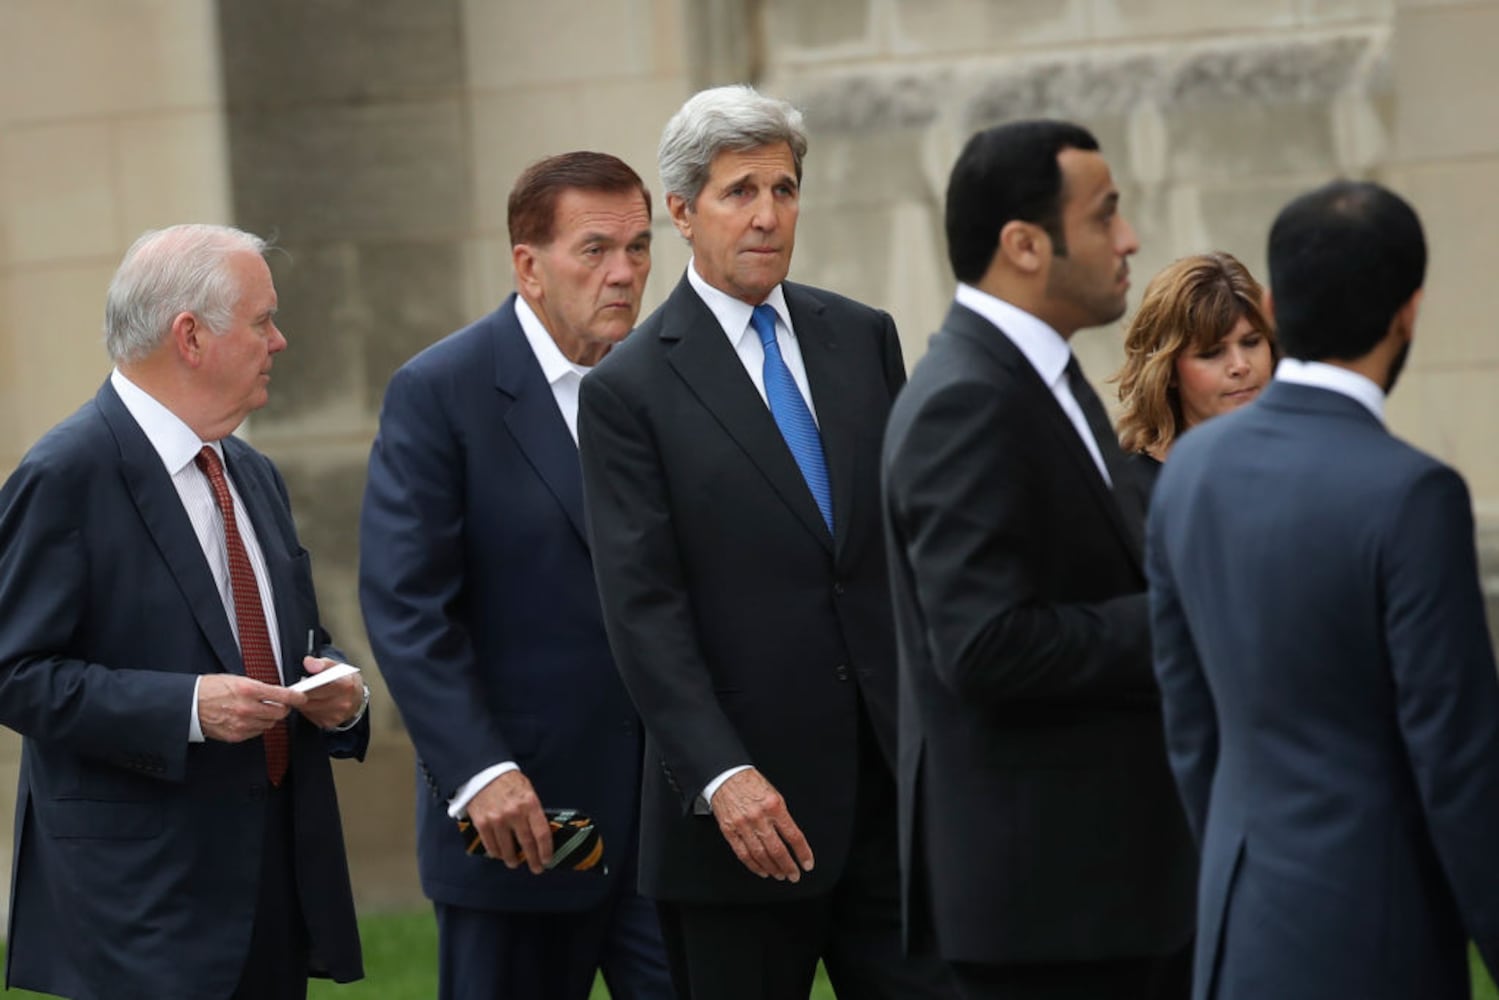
(254, 638)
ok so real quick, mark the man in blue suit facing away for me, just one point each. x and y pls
(1331, 704)
(477, 586)
(177, 829)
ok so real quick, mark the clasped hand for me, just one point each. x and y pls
(233, 708)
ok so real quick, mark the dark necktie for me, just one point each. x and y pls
(249, 613)
(792, 415)
(1108, 447)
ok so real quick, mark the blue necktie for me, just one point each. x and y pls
(791, 414)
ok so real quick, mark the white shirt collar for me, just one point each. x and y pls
(174, 441)
(1042, 346)
(733, 314)
(1321, 375)
(554, 364)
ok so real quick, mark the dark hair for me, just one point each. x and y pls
(1005, 173)
(1190, 306)
(1343, 260)
(533, 200)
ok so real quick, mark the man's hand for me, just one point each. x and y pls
(233, 708)
(753, 818)
(334, 704)
(508, 816)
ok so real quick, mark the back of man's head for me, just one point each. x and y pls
(533, 199)
(1343, 260)
(1007, 173)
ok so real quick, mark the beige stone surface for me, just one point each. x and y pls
(1457, 321)
(512, 44)
(1125, 19)
(1444, 81)
(171, 168)
(54, 317)
(1319, 12)
(82, 58)
(59, 188)
(1449, 412)
(981, 27)
(512, 129)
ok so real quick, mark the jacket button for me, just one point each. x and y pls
(838, 588)
(841, 672)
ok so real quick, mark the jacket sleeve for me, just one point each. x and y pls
(412, 563)
(647, 610)
(135, 719)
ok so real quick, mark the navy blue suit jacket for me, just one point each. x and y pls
(1331, 705)
(477, 588)
(137, 854)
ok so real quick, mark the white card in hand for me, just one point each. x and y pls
(328, 676)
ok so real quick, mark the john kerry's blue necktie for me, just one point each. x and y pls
(792, 415)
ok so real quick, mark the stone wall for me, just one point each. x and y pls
(377, 141)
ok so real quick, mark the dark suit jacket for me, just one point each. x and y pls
(1038, 818)
(477, 588)
(137, 854)
(745, 633)
(1331, 704)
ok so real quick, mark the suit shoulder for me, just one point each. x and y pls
(846, 308)
(467, 349)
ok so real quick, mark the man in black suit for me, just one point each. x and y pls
(730, 462)
(1043, 848)
(479, 597)
(177, 831)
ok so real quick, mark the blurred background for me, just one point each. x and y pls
(377, 140)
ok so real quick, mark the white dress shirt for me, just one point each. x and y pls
(1047, 353)
(734, 316)
(1321, 375)
(564, 377)
(177, 446)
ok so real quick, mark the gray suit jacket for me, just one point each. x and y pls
(1332, 709)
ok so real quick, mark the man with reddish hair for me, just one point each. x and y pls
(477, 587)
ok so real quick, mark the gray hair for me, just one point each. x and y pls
(736, 117)
(171, 271)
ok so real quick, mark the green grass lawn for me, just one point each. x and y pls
(400, 962)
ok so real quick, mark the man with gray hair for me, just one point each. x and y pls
(730, 454)
(177, 831)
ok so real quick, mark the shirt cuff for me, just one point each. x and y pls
(704, 805)
(458, 804)
(194, 727)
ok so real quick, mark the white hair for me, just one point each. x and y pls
(736, 117)
(171, 271)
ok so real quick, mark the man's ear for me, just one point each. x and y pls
(523, 259)
(1405, 316)
(1025, 245)
(188, 335)
(681, 215)
(1267, 305)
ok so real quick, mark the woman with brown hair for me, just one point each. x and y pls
(1200, 345)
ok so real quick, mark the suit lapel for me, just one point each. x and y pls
(1041, 401)
(532, 418)
(704, 359)
(161, 512)
(827, 380)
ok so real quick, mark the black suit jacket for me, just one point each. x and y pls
(478, 592)
(744, 631)
(137, 854)
(1038, 818)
